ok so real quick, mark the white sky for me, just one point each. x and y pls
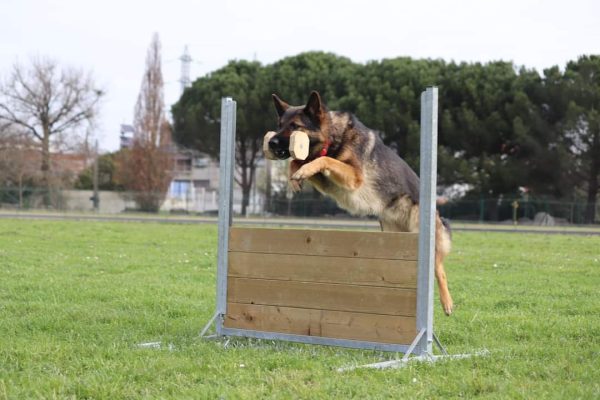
(110, 37)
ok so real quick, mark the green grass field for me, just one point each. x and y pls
(77, 297)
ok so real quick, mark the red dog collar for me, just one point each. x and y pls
(323, 151)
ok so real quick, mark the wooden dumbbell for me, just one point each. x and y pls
(268, 153)
(299, 145)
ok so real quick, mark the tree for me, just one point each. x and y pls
(197, 117)
(146, 168)
(16, 169)
(582, 126)
(107, 175)
(501, 127)
(388, 100)
(293, 78)
(45, 101)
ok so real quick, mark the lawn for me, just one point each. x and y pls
(76, 299)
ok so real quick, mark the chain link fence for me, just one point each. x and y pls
(507, 211)
(519, 211)
(306, 204)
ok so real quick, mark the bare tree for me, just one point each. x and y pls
(45, 101)
(16, 169)
(146, 168)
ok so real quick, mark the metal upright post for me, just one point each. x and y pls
(227, 161)
(427, 214)
(422, 345)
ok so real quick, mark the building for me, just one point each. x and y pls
(195, 183)
(126, 136)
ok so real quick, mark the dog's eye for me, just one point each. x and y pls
(293, 126)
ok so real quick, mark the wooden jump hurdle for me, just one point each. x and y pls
(368, 290)
(327, 284)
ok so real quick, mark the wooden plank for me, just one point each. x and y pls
(325, 323)
(291, 267)
(323, 296)
(354, 244)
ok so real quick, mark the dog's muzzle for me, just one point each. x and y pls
(279, 147)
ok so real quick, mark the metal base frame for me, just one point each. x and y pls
(319, 340)
(425, 357)
(404, 361)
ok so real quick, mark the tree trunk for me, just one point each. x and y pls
(592, 192)
(46, 165)
(46, 158)
(267, 203)
(246, 184)
(245, 199)
(245, 190)
(20, 191)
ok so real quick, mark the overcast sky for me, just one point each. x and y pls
(111, 37)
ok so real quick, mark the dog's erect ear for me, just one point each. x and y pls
(280, 105)
(314, 105)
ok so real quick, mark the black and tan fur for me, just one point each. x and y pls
(359, 172)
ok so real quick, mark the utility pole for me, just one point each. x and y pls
(186, 60)
(96, 197)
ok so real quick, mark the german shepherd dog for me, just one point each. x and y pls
(348, 162)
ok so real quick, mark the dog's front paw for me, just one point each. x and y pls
(296, 186)
(305, 172)
(300, 175)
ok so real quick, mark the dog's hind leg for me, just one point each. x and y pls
(443, 244)
(440, 275)
(442, 248)
(406, 219)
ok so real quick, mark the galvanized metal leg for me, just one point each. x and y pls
(208, 325)
(392, 363)
(439, 344)
(422, 358)
(413, 345)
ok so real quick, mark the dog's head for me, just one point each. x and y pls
(311, 118)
